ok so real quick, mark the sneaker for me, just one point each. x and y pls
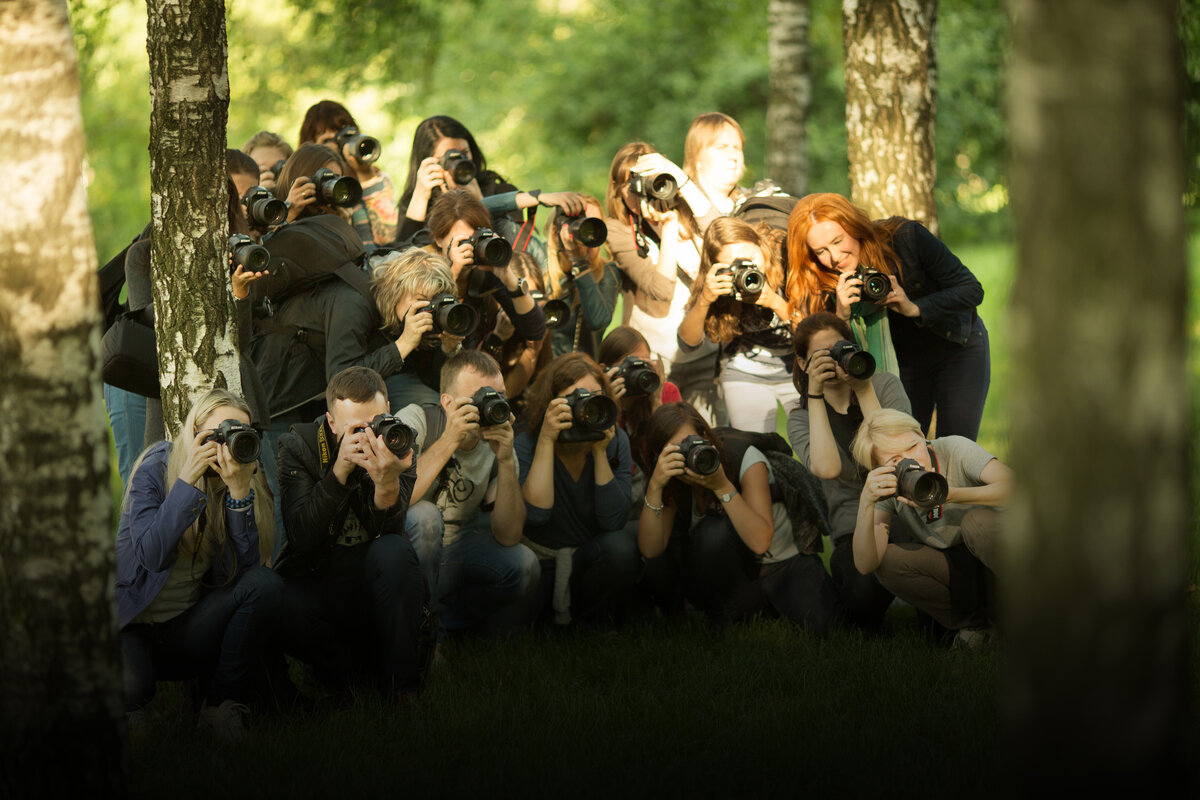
(973, 638)
(227, 721)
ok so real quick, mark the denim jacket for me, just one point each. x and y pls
(937, 282)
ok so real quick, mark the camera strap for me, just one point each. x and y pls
(324, 452)
(526, 231)
(934, 513)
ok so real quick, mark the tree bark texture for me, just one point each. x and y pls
(60, 685)
(1096, 690)
(891, 105)
(193, 303)
(791, 94)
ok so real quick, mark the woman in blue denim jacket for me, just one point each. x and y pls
(193, 598)
(941, 344)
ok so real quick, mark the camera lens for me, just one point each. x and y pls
(461, 168)
(588, 231)
(396, 435)
(926, 489)
(557, 313)
(699, 455)
(663, 187)
(493, 251)
(640, 377)
(875, 285)
(493, 408)
(245, 446)
(337, 190)
(596, 412)
(251, 256)
(858, 364)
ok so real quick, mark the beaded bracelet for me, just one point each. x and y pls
(239, 505)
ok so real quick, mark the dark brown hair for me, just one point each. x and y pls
(304, 163)
(452, 206)
(356, 384)
(325, 115)
(620, 342)
(552, 381)
(809, 327)
(238, 163)
(665, 423)
(475, 360)
(724, 319)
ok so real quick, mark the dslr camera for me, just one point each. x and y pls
(244, 441)
(588, 231)
(662, 187)
(398, 437)
(493, 407)
(364, 149)
(263, 209)
(591, 415)
(451, 316)
(858, 364)
(640, 377)
(926, 489)
(699, 455)
(875, 285)
(748, 279)
(459, 165)
(490, 249)
(336, 190)
(249, 254)
(556, 311)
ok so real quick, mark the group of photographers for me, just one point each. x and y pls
(450, 444)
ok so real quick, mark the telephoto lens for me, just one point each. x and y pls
(699, 455)
(398, 437)
(875, 285)
(244, 441)
(365, 149)
(591, 415)
(263, 209)
(858, 364)
(336, 190)
(451, 316)
(640, 377)
(459, 165)
(588, 231)
(748, 279)
(662, 186)
(926, 489)
(490, 250)
(557, 312)
(247, 253)
(493, 407)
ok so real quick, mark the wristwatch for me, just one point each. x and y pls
(536, 194)
(521, 290)
(725, 498)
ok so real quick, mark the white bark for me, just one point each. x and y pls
(791, 94)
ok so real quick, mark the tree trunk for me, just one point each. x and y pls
(193, 303)
(60, 686)
(891, 104)
(1096, 691)
(791, 95)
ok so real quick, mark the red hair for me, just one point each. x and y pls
(809, 284)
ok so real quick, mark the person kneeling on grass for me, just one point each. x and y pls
(941, 559)
(353, 589)
(193, 598)
(471, 513)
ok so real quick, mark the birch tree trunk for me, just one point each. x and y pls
(60, 689)
(891, 104)
(791, 94)
(1097, 699)
(193, 302)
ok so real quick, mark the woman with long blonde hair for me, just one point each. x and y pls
(582, 277)
(193, 596)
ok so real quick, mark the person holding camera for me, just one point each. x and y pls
(944, 495)
(193, 599)
(375, 216)
(575, 473)
(579, 276)
(353, 588)
(736, 303)
(713, 159)
(269, 151)
(471, 513)
(653, 234)
(445, 157)
(740, 555)
(519, 358)
(900, 287)
(833, 403)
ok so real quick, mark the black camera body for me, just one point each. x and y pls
(591, 415)
(248, 253)
(926, 489)
(277, 167)
(858, 364)
(493, 407)
(748, 279)
(459, 165)
(451, 316)
(263, 209)
(640, 377)
(556, 310)
(490, 249)
(588, 231)
(398, 437)
(244, 441)
(336, 190)
(662, 187)
(699, 455)
(876, 286)
(364, 149)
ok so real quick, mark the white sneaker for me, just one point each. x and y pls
(227, 721)
(973, 638)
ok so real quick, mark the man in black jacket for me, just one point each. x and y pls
(353, 587)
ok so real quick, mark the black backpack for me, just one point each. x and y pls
(308, 252)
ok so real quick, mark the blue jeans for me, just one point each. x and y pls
(224, 635)
(485, 586)
(424, 527)
(127, 418)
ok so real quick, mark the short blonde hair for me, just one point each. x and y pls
(882, 424)
(267, 139)
(407, 274)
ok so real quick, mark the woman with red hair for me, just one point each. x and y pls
(893, 279)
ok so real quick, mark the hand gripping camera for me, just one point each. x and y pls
(398, 437)
(748, 279)
(699, 455)
(490, 250)
(588, 231)
(591, 415)
(493, 407)
(926, 489)
(244, 442)
(662, 187)
(451, 316)
(251, 256)
(875, 285)
(459, 165)
(263, 209)
(858, 364)
(336, 190)
(640, 377)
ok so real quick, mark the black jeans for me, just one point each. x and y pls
(603, 574)
(953, 378)
(361, 610)
(221, 638)
(722, 578)
(863, 598)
